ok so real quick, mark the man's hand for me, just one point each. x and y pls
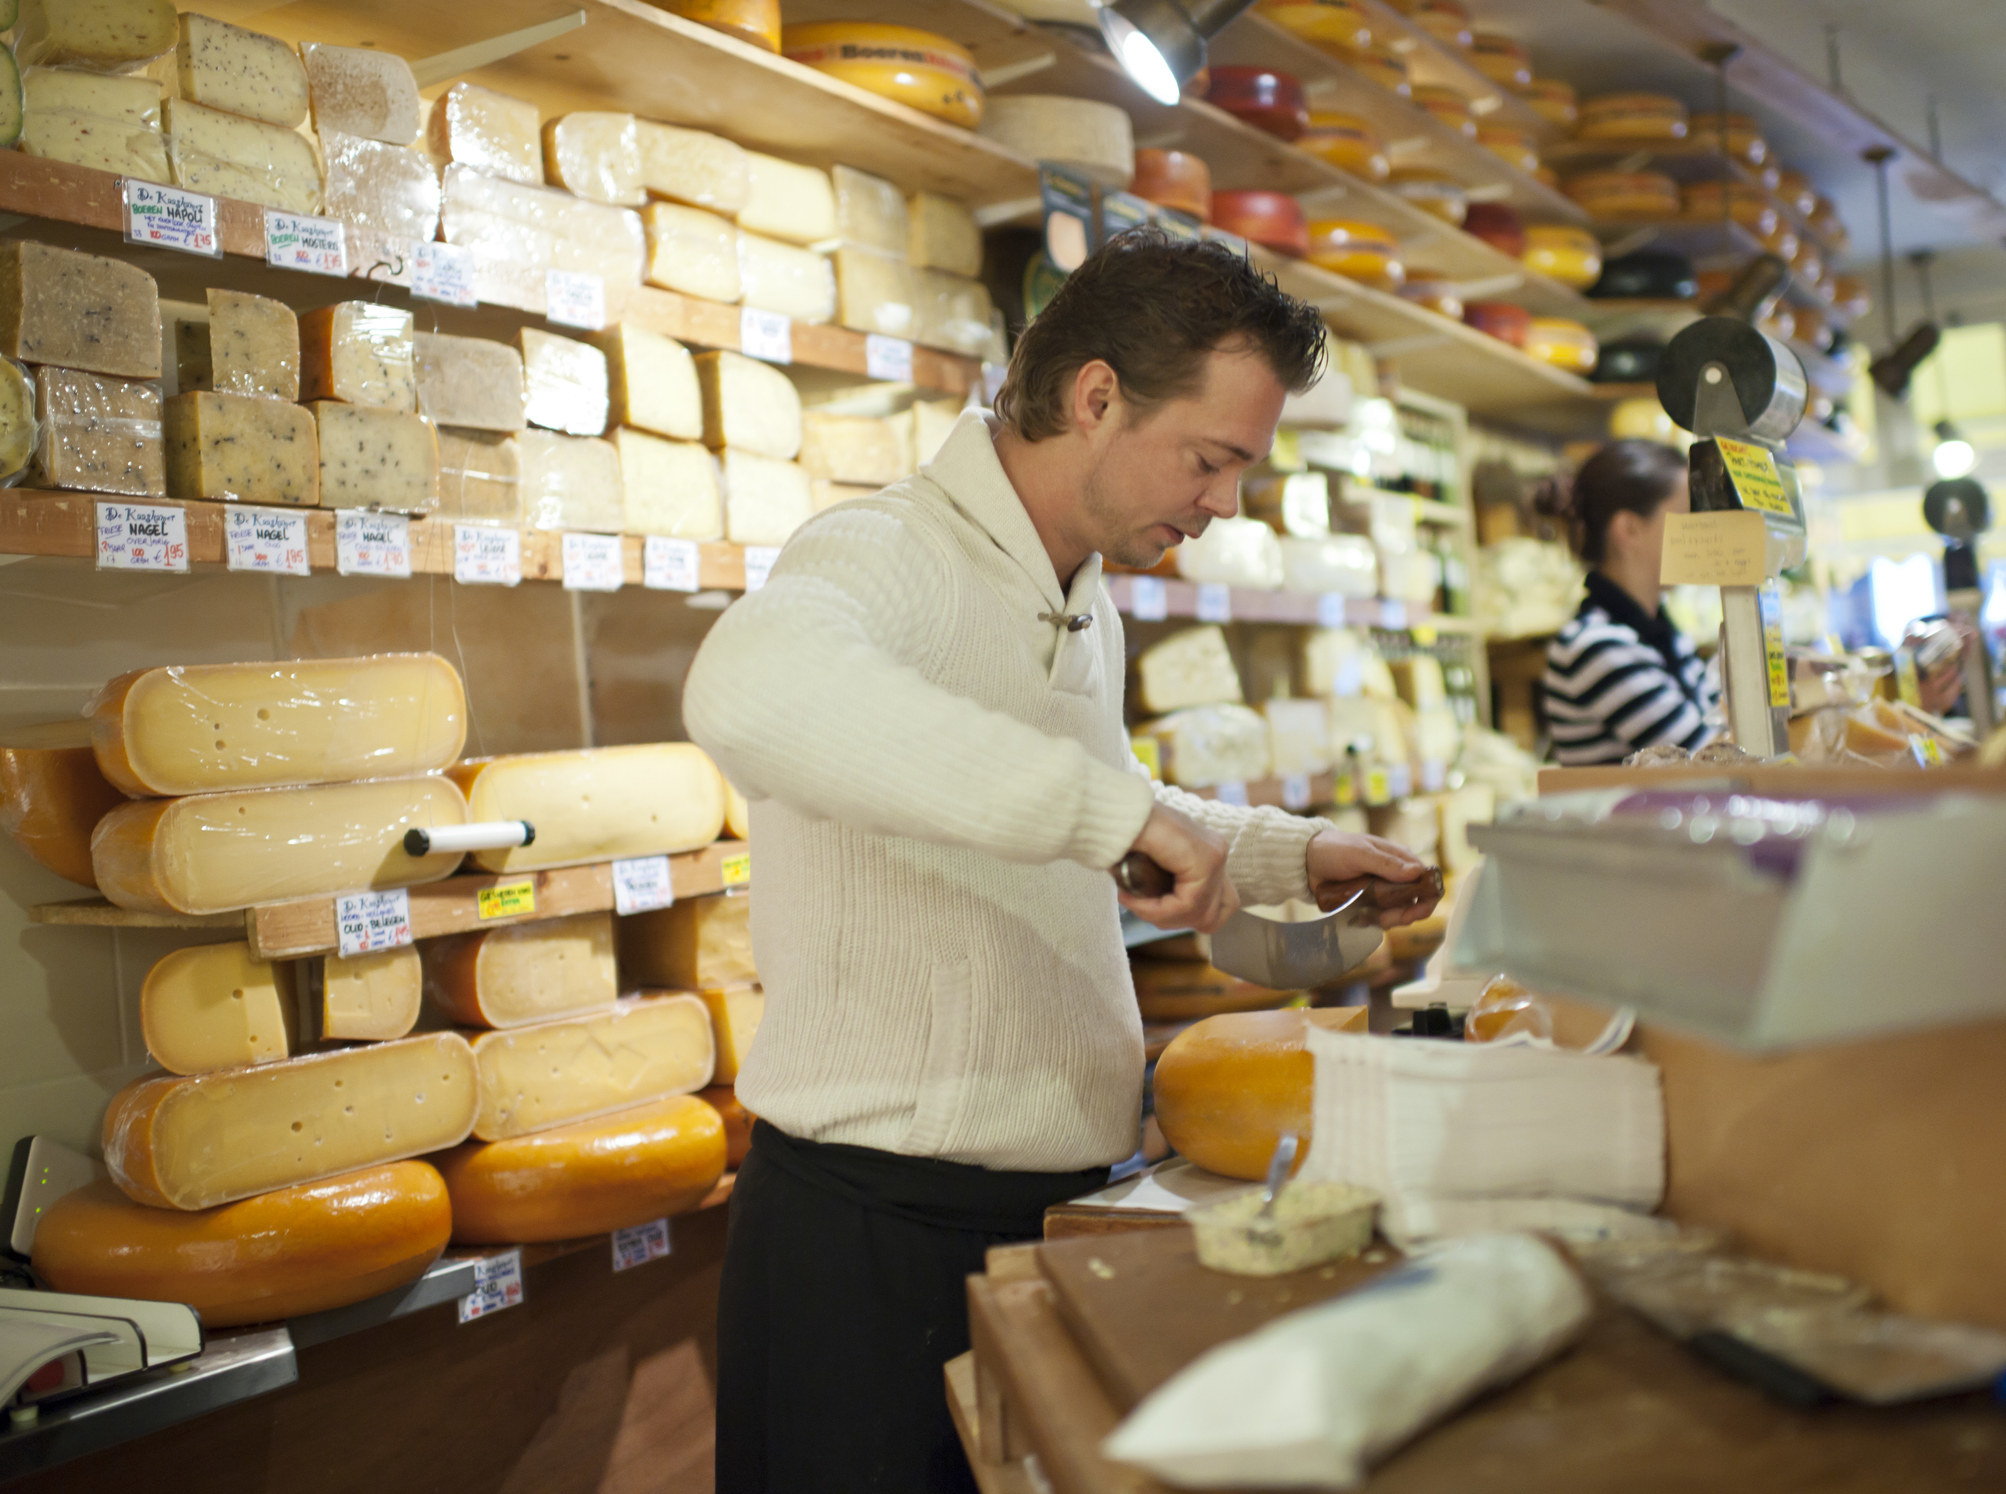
(1337, 856)
(1203, 897)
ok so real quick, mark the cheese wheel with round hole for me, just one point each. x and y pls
(598, 803)
(553, 1073)
(216, 1006)
(52, 795)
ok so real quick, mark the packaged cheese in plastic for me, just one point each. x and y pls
(18, 433)
(512, 227)
(360, 91)
(532, 972)
(216, 1006)
(942, 235)
(870, 211)
(358, 352)
(245, 345)
(242, 447)
(669, 487)
(876, 293)
(480, 477)
(381, 459)
(1205, 746)
(798, 283)
(597, 803)
(225, 155)
(78, 311)
(693, 167)
(652, 381)
(489, 131)
(390, 188)
(1341, 661)
(565, 380)
(368, 998)
(94, 119)
(748, 406)
(100, 434)
(595, 155)
(765, 500)
(1233, 552)
(785, 200)
(240, 72)
(1298, 736)
(108, 36)
(692, 252)
(570, 482)
(646, 1048)
(952, 313)
(1190, 667)
(1341, 564)
(471, 382)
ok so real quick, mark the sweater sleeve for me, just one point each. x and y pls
(1267, 852)
(809, 691)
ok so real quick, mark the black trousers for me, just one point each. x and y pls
(844, 1294)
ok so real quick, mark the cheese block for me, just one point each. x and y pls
(52, 795)
(735, 1015)
(565, 380)
(392, 189)
(372, 458)
(1344, 565)
(786, 200)
(91, 119)
(590, 1177)
(764, 500)
(470, 382)
(215, 853)
(480, 477)
(1298, 737)
(1233, 552)
(595, 155)
(253, 346)
(1336, 661)
(1093, 139)
(693, 166)
(78, 311)
(570, 482)
(692, 251)
(652, 382)
(870, 211)
(1203, 746)
(696, 944)
(723, 1098)
(370, 998)
(13, 100)
(216, 1006)
(796, 283)
(737, 813)
(876, 293)
(531, 972)
(99, 434)
(362, 92)
(951, 312)
(240, 72)
(516, 232)
(359, 352)
(297, 1250)
(103, 35)
(227, 156)
(242, 447)
(17, 419)
(598, 803)
(668, 487)
(855, 448)
(554, 1073)
(185, 359)
(942, 235)
(754, 21)
(748, 406)
(1190, 667)
(933, 421)
(491, 132)
(1185, 990)
(206, 1139)
(1230, 1087)
(1418, 678)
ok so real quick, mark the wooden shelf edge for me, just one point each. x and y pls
(1292, 607)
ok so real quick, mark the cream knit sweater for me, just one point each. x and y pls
(939, 781)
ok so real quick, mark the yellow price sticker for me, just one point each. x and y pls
(1148, 754)
(736, 869)
(1753, 472)
(507, 899)
(1771, 603)
(1345, 791)
(1925, 750)
(1378, 788)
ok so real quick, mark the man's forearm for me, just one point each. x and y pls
(1269, 847)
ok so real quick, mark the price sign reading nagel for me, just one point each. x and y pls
(265, 539)
(371, 544)
(365, 922)
(169, 218)
(642, 883)
(486, 557)
(142, 537)
(574, 300)
(766, 335)
(888, 358)
(759, 564)
(1330, 610)
(1215, 603)
(593, 562)
(670, 564)
(442, 272)
(294, 241)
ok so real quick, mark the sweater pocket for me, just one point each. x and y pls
(942, 1074)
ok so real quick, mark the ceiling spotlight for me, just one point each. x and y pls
(1161, 43)
(1954, 456)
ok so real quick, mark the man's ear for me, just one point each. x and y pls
(1096, 394)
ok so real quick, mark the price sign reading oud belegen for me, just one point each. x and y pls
(365, 922)
(640, 1244)
(497, 1284)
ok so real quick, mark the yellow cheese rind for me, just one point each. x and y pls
(361, 91)
(489, 131)
(241, 447)
(480, 477)
(862, 449)
(693, 166)
(383, 459)
(796, 283)
(943, 235)
(876, 293)
(390, 188)
(870, 211)
(786, 200)
(692, 251)
(78, 311)
(106, 35)
(699, 943)
(651, 383)
(598, 803)
(565, 380)
(570, 482)
(531, 972)
(225, 156)
(99, 434)
(371, 998)
(595, 155)
(748, 406)
(669, 487)
(91, 119)
(359, 352)
(240, 72)
(208, 1139)
(765, 501)
(555, 1073)
(52, 795)
(216, 1006)
(470, 382)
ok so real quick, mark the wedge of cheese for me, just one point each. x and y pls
(78, 311)
(297, 1250)
(652, 381)
(669, 487)
(933, 421)
(693, 166)
(369, 998)
(1204, 746)
(943, 235)
(860, 449)
(748, 406)
(697, 944)
(253, 346)
(90, 119)
(1189, 668)
(765, 501)
(240, 72)
(103, 35)
(554, 1073)
(480, 477)
(570, 482)
(876, 292)
(17, 419)
(214, 853)
(1341, 661)
(796, 283)
(99, 434)
(490, 132)
(371, 458)
(785, 200)
(692, 251)
(1185, 990)
(197, 728)
(242, 447)
(224, 155)
(470, 382)
(869, 211)
(590, 1177)
(597, 804)
(392, 189)
(52, 795)
(530, 972)
(1298, 737)
(735, 1015)
(361, 91)
(216, 1006)
(595, 155)
(565, 380)
(951, 312)
(737, 1121)
(361, 353)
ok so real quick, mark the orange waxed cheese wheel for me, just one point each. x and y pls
(52, 796)
(1228, 1088)
(755, 21)
(737, 1121)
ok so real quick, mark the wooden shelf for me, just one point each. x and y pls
(1431, 62)
(1305, 609)
(1709, 241)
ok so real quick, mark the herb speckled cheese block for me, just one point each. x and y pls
(359, 353)
(669, 487)
(370, 998)
(78, 311)
(570, 482)
(17, 418)
(470, 382)
(943, 235)
(797, 283)
(694, 944)
(693, 166)
(241, 447)
(13, 101)
(876, 293)
(785, 200)
(861, 449)
(565, 380)
(383, 459)
(652, 383)
(531, 972)
(390, 188)
(361, 91)
(598, 803)
(489, 131)
(197, 728)
(216, 1006)
(254, 346)
(765, 500)
(227, 156)
(692, 252)
(869, 211)
(240, 72)
(103, 35)
(52, 795)
(282, 1254)
(480, 477)
(748, 405)
(96, 120)
(595, 155)
(622, 1170)
(576, 1068)
(216, 853)
(206, 1139)
(100, 434)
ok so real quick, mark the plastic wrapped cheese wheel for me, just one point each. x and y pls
(598, 804)
(52, 795)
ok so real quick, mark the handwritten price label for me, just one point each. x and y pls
(442, 272)
(1148, 599)
(169, 218)
(1330, 610)
(670, 564)
(766, 335)
(642, 883)
(142, 537)
(574, 300)
(641, 1244)
(486, 557)
(736, 869)
(759, 564)
(368, 921)
(497, 1284)
(265, 539)
(592, 562)
(1296, 791)
(888, 358)
(369, 544)
(1215, 603)
(1231, 793)
(506, 900)
(316, 245)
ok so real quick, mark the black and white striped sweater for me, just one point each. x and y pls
(1619, 679)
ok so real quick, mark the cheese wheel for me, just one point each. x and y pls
(735, 1015)
(787, 200)
(913, 67)
(1444, 20)
(723, 1098)
(1181, 990)
(737, 813)
(52, 795)
(1573, 256)
(370, 997)
(495, 134)
(1554, 102)
(1272, 219)
(297, 1250)
(1339, 24)
(1386, 67)
(208, 1139)
(1270, 101)
(1502, 59)
(532, 972)
(754, 21)
(694, 944)
(1347, 142)
(1744, 137)
(216, 1006)
(587, 1178)
(595, 155)
(1433, 192)
(1174, 179)
(1624, 194)
(1448, 106)
(553, 1073)
(1230, 1087)
(597, 804)
(1749, 206)
(1562, 342)
(1093, 139)
(1511, 145)
(1632, 116)
(1360, 251)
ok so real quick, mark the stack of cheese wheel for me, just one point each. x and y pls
(1338, 26)
(919, 68)
(1503, 59)
(1347, 142)
(1386, 67)
(1553, 101)
(1624, 194)
(1573, 256)
(1510, 145)
(1449, 106)
(1434, 192)
(1632, 116)
(1364, 252)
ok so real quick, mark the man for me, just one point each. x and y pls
(924, 706)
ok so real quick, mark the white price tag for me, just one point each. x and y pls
(1148, 599)
(574, 300)
(442, 272)
(1399, 781)
(1231, 793)
(294, 241)
(486, 557)
(265, 539)
(1295, 791)
(1434, 774)
(371, 544)
(593, 562)
(365, 922)
(1349, 676)
(169, 218)
(888, 358)
(670, 564)
(497, 1284)
(1392, 613)
(765, 335)
(1330, 610)
(1215, 603)
(142, 537)
(993, 375)
(642, 883)
(759, 564)
(641, 1244)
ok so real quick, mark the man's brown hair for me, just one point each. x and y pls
(1152, 308)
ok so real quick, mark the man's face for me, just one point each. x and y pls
(1158, 480)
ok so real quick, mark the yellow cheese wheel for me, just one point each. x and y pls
(612, 1173)
(914, 67)
(1573, 256)
(755, 21)
(597, 803)
(52, 795)
(1228, 1088)
(297, 1250)
(737, 813)
(723, 1098)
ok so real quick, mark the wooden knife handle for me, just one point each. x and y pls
(1140, 876)
(1381, 893)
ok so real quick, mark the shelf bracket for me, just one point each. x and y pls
(476, 55)
(1009, 72)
